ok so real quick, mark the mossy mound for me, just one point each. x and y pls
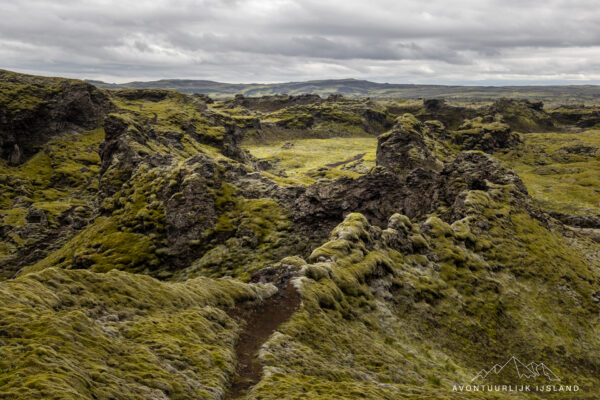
(78, 334)
(413, 310)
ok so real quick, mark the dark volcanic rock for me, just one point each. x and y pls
(117, 156)
(451, 116)
(231, 144)
(145, 94)
(478, 135)
(578, 115)
(405, 147)
(191, 210)
(522, 115)
(434, 105)
(319, 207)
(375, 121)
(34, 109)
(273, 103)
(474, 170)
(580, 149)
(579, 221)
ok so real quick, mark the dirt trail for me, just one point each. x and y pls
(261, 320)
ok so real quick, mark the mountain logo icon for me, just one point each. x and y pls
(529, 371)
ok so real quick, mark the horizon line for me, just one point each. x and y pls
(480, 83)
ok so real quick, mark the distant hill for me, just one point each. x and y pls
(362, 88)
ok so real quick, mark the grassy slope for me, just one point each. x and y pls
(560, 180)
(458, 304)
(79, 334)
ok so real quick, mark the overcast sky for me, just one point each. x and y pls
(460, 41)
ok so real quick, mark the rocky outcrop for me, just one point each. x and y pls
(521, 115)
(189, 205)
(474, 170)
(488, 136)
(34, 109)
(579, 221)
(272, 103)
(406, 147)
(580, 149)
(577, 115)
(451, 116)
(116, 153)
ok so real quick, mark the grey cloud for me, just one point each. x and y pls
(254, 40)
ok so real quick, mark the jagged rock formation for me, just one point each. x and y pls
(394, 280)
(406, 147)
(32, 110)
(476, 134)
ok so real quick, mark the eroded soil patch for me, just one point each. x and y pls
(260, 321)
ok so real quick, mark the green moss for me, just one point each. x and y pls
(20, 92)
(176, 112)
(112, 335)
(384, 323)
(62, 176)
(249, 234)
(306, 161)
(560, 180)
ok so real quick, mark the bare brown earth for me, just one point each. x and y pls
(260, 321)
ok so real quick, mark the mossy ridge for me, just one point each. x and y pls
(383, 320)
(20, 92)
(236, 236)
(171, 112)
(60, 181)
(322, 119)
(94, 335)
(127, 237)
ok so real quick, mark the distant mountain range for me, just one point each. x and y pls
(362, 88)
